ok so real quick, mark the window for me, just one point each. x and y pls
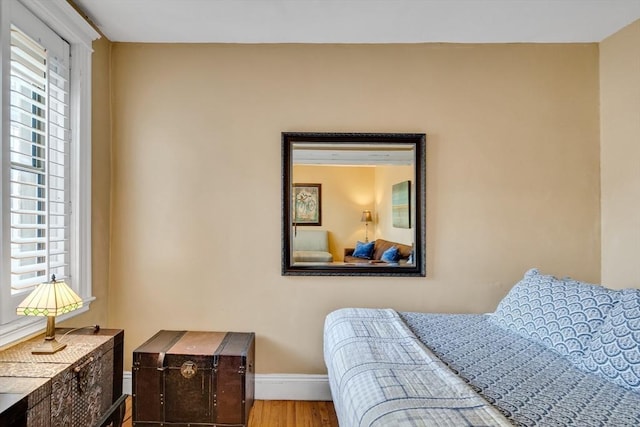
(45, 156)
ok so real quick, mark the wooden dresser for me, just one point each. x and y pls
(79, 386)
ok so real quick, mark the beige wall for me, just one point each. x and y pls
(620, 157)
(512, 179)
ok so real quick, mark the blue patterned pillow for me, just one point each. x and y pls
(363, 250)
(560, 314)
(391, 255)
(614, 351)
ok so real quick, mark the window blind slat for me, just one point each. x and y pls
(29, 254)
(33, 268)
(26, 183)
(22, 284)
(20, 241)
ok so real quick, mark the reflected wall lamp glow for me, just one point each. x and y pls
(50, 299)
(366, 218)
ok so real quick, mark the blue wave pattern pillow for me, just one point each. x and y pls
(614, 352)
(391, 255)
(561, 314)
(363, 250)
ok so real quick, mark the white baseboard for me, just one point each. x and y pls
(292, 387)
(278, 386)
(127, 386)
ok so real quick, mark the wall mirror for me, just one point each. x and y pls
(353, 204)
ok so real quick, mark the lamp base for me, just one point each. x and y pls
(48, 347)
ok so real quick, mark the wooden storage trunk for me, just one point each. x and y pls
(79, 386)
(185, 378)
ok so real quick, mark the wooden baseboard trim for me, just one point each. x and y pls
(278, 386)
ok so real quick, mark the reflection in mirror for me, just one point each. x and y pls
(353, 204)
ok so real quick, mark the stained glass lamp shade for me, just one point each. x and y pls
(50, 299)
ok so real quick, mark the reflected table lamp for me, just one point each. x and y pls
(366, 218)
(50, 299)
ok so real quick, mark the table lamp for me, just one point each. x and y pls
(50, 299)
(366, 218)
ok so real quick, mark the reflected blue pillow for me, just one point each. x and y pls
(363, 250)
(391, 255)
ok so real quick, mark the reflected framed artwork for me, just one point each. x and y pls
(401, 204)
(307, 204)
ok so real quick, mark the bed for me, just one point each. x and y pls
(389, 368)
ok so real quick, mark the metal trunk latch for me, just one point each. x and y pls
(188, 369)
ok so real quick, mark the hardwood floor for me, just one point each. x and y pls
(281, 413)
(292, 413)
(128, 422)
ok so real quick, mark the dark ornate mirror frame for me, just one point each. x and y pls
(419, 140)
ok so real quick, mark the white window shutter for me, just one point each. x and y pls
(39, 156)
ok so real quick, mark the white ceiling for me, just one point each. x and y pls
(346, 154)
(359, 21)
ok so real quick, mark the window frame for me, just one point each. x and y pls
(65, 21)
